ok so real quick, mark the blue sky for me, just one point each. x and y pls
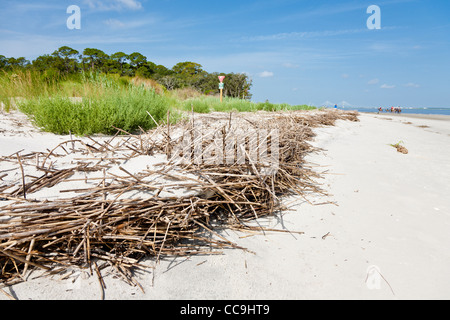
(311, 51)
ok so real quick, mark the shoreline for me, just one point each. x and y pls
(411, 115)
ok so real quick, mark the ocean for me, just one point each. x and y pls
(442, 111)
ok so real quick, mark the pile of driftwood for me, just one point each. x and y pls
(116, 220)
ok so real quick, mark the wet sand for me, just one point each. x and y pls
(415, 116)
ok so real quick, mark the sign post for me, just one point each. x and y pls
(221, 86)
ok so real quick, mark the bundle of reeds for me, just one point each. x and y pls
(118, 220)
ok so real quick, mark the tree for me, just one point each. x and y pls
(67, 58)
(187, 68)
(161, 72)
(183, 74)
(137, 60)
(237, 85)
(3, 62)
(120, 59)
(169, 82)
(44, 62)
(95, 57)
(190, 74)
(17, 63)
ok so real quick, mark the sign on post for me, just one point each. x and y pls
(221, 87)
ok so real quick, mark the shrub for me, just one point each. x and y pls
(98, 113)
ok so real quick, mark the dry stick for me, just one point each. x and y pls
(168, 135)
(131, 175)
(259, 176)
(134, 212)
(73, 144)
(16, 257)
(23, 177)
(104, 193)
(28, 257)
(52, 180)
(100, 281)
(218, 235)
(164, 240)
(7, 294)
(96, 142)
(10, 156)
(157, 125)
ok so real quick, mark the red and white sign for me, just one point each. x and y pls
(221, 78)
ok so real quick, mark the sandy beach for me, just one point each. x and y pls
(382, 233)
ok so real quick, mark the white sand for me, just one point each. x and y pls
(388, 236)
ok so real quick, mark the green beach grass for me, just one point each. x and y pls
(106, 102)
(211, 104)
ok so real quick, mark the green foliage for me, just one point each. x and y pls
(68, 61)
(204, 104)
(107, 106)
(117, 91)
(95, 58)
(25, 84)
(196, 105)
(187, 68)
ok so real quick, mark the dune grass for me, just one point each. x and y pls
(25, 85)
(210, 104)
(107, 102)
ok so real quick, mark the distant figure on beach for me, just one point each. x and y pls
(335, 106)
(380, 109)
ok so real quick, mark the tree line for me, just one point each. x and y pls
(67, 61)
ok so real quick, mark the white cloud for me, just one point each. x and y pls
(373, 81)
(131, 4)
(266, 74)
(412, 85)
(117, 24)
(108, 5)
(303, 35)
(345, 76)
(114, 23)
(387, 86)
(290, 65)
